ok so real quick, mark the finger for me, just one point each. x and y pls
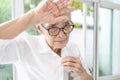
(70, 62)
(54, 11)
(63, 3)
(53, 8)
(76, 70)
(58, 1)
(73, 69)
(60, 18)
(69, 2)
(76, 65)
(68, 59)
(71, 58)
(67, 11)
(60, 4)
(49, 1)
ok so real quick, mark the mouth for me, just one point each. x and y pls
(61, 41)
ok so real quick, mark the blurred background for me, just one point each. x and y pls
(97, 33)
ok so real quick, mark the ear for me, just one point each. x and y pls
(39, 29)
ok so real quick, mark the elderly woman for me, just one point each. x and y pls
(49, 56)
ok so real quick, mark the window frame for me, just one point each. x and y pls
(17, 10)
(97, 4)
(110, 5)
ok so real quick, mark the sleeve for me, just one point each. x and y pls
(8, 51)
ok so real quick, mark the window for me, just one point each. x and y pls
(113, 1)
(29, 4)
(83, 36)
(109, 43)
(104, 42)
(108, 40)
(5, 11)
(116, 43)
(6, 71)
(108, 35)
(89, 37)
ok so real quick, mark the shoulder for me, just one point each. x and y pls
(23, 40)
(26, 39)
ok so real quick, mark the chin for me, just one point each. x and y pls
(61, 46)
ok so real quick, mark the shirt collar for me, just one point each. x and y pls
(46, 47)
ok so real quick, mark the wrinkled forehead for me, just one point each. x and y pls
(58, 24)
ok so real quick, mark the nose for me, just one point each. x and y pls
(62, 33)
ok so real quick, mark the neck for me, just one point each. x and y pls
(57, 50)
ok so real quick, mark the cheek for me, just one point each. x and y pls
(50, 40)
(62, 43)
(67, 37)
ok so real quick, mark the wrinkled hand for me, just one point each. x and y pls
(74, 64)
(51, 11)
